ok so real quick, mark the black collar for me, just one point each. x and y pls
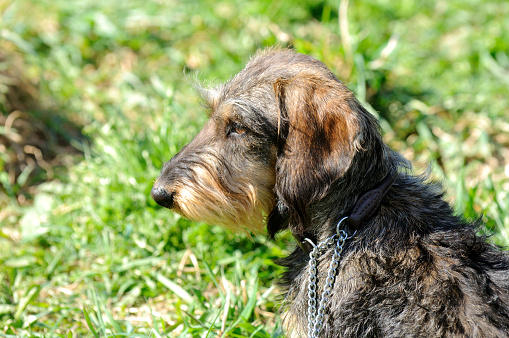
(363, 210)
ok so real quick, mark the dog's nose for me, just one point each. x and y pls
(162, 197)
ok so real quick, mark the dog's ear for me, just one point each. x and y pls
(317, 129)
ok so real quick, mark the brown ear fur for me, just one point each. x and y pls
(317, 141)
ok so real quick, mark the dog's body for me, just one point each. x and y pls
(287, 140)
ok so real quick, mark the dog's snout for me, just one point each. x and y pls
(162, 196)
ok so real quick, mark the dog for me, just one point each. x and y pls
(379, 252)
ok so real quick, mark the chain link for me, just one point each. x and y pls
(315, 317)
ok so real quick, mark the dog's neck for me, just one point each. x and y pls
(364, 209)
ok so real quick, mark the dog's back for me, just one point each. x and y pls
(415, 270)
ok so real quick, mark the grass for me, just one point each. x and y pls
(93, 100)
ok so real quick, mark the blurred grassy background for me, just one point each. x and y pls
(93, 100)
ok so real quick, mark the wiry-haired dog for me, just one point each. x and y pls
(288, 146)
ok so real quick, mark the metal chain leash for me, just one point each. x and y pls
(315, 317)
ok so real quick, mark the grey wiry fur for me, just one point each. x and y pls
(287, 140)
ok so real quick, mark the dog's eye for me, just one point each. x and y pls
(235, 129)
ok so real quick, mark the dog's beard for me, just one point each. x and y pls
(203, 198)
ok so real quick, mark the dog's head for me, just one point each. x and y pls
(280, 134)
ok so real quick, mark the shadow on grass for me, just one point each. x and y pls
(37, 144)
